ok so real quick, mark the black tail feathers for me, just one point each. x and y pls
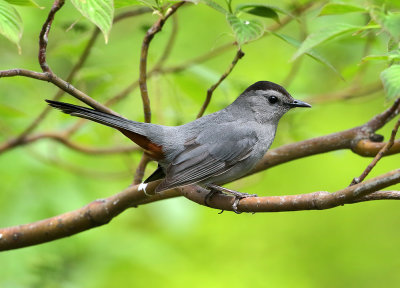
(99, 117)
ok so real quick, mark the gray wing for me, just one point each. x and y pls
(211, 153)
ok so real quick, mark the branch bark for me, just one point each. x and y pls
(44, 36)
(100, 212)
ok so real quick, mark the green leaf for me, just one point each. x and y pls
(311, 53)
(340, 8)
(391, 81)
(215, 6)
(100, 12)
(390, 56)
(390, 22)
(245, 30)
(262, 10)
(10, 23)
(191, 1)
(24, 3)
(326, 34)
(125, 3)
(150, 3)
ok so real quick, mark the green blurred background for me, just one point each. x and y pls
(177, 243)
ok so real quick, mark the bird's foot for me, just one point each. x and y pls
(238, 195)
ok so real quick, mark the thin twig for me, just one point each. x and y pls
(157, 26)
(17, 140)
(351, 92)
(60, 83)
(378, 156)
(44, 36)
(239, 54)
(141, 168)
(63, 139)
(78, 169)
(143, 58)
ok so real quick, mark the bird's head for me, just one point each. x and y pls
(268, 101)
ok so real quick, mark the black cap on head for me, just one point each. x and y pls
(267, 85)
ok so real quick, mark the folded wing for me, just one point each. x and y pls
(210, 154)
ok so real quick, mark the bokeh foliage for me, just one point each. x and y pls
(178, 243)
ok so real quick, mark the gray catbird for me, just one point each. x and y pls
(212, 150)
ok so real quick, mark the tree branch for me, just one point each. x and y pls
(44, 36)
(143, 76)
(385, 149)
(100, 212)
(312, 201)
(354, 139)
(239, 55)
(143, 58)
(18, 140)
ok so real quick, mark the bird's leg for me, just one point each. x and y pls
(210, 195)
(238, 195)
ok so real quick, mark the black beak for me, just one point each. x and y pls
(298, 103)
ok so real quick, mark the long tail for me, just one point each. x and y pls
(131, 129)
(97, 116)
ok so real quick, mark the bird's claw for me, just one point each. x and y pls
(237, 200)
(238, 195)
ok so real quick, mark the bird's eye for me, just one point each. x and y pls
(272, 99)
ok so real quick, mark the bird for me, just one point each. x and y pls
(212, 150)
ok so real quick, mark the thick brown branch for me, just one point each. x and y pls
(368, 148)
(379, 195)
(94, 214)
(102, 211)
(311, 201)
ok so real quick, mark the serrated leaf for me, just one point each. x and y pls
(340, 8)
(215, 6)
(10, 23)
(390, 22)
(311, 53)
(125, 3)
(262, 10)
(326, 34)
(245, 30)
(391, 81)
(24, 3)
(100, 12)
